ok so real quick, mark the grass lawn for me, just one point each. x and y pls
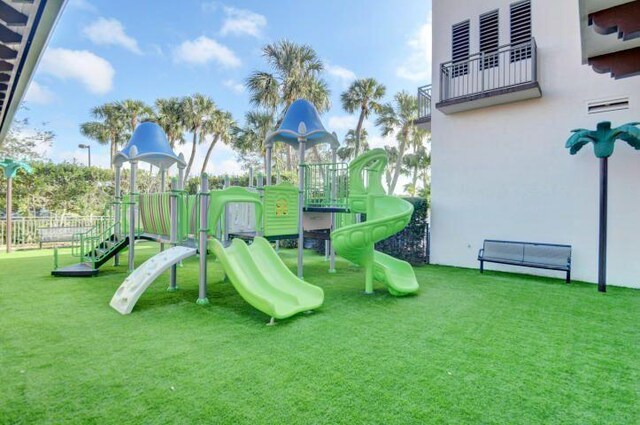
(470, 348)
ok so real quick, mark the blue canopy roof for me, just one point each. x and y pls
(151, 146)
(302, 121)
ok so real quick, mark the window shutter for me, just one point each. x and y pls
(520, 30)
(460, 47)
(489, 38)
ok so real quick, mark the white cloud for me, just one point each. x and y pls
(92, 71)
(417, 66)
(243, 22)
(209, 6)
(203, 50)
(342, 123)
(222, 161)
(83, 5)
(38, 94)
(341, 73)
(110, 32)
(235, 86)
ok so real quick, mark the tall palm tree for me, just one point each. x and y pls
(135, 111)
(294, 74)
(248, 140)
(195, 111)
(97, 131)
(347, 152)
(603, 140)
(110, 125)
(219, 126)
(416, 162)
(169, 117)
(397, 118)
(364, 94)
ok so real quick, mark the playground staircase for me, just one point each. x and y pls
(94, 248)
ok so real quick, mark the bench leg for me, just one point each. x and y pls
(568, 276)
(481, 266)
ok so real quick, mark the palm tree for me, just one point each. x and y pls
(195, 111)
(416, 163)
(294, 74)
(364, 94)
(347, 152)
(169, 117)
(110, 126)
(397, 118)
(97, 131)
(248, 140)
(136, 111)
(219, 126)
(603, 140)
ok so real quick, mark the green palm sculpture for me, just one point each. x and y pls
(603, 140)
(11, 167)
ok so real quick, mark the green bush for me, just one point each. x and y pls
(412, 244)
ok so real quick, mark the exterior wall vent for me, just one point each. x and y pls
(607, 105)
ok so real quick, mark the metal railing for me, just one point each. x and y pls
(507, 66)
(424, 101)
(26, 230)
(326, 185)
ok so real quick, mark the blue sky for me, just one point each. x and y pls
(107, 50)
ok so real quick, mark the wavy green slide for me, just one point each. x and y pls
(386, 216)
(264, 281)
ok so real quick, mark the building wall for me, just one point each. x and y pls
(503, 172)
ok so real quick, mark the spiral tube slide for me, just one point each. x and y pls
(386, 216)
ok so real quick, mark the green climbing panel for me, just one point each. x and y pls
(281, 210)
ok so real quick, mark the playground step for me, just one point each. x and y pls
(81, 269)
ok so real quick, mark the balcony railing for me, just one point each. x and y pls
(507, 67)
(424, 101)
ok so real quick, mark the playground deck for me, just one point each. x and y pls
(470, 348)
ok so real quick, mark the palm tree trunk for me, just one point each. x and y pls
(193, 155)
(113, 148)
(398, 168)
(359, 131)
(415, 179)
(206, 158)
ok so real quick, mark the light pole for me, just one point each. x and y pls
(88, 148)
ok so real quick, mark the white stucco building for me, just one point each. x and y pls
(510, 80)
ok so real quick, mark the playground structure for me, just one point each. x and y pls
(329, 196)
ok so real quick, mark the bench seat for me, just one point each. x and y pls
(527, 254)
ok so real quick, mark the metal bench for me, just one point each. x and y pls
(527, 254)
(59, 234)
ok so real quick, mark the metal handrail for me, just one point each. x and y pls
(506, 66)
(319, 185)
(424, 101)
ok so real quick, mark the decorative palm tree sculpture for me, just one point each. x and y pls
(11, 168)
(603, 139)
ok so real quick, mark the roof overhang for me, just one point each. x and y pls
(595, 43)
(25, 28)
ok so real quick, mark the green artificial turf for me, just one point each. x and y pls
(470, 348)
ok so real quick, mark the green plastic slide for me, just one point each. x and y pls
(385, 216)
(264, 281)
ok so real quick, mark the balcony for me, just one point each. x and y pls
(506, 75)
(424, 108)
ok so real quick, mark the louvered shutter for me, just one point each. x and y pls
(520, 30)
(489, 38)
(460, 48)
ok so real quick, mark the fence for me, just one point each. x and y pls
(25, 230)
(507, 66)
(411, 244)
